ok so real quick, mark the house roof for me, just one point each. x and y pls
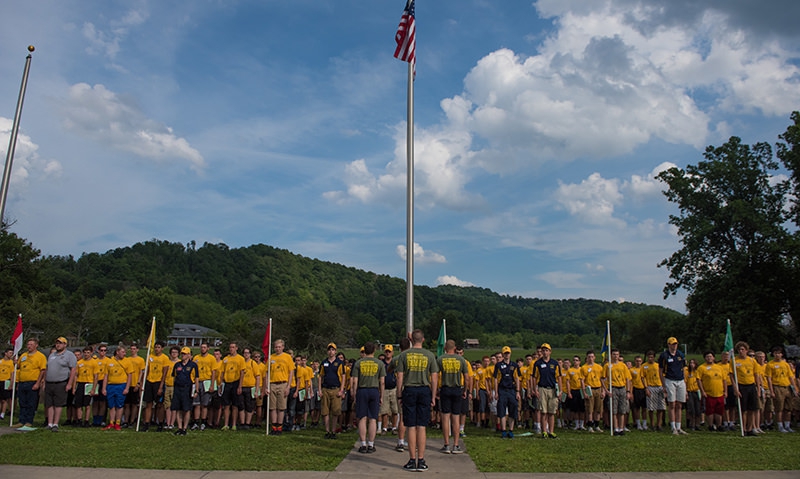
(185, 330)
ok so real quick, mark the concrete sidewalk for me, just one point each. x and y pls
(384, 463)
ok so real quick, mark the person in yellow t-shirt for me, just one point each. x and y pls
(482, 377)
(639, 403)
(31, 369)
(215, 408)
(116, 382)
(713, 383)
(694, 405)
(6, 372)
(85, 383)
(782, 387)
(169, 387)
(301, 391)
(281, 370)
(621, 393)
(592, 376)
(158, 365)
(746, 386)
(135, 390)
(575, 403)
(206, 365)
(251, 377)
(232, 399)
(467, 401)
(654, 390)
(99, 405)
(764, 398)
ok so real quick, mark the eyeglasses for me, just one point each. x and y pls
(102, 350)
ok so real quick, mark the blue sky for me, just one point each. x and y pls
(539, 128)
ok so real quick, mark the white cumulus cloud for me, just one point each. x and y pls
(100, 114)
(452, 280)
(420, 255)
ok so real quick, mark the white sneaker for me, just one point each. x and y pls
(789, 429)
(681, 431)
(590, 429)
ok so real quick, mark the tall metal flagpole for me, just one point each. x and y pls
(410, 203)
(12, 142)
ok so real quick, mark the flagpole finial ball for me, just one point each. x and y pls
(31, 48)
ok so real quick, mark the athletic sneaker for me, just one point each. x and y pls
(544, 435)
(54, 428)
(681, 431)
(597, 429)
(421, 466)
(551, 435)
(445, 449)
(399, 447)
(370, 449)
(457, 449)
(411, 465)
(511, 434)
(117, 427)
(590, 429)
(504, 435)
(362, 449)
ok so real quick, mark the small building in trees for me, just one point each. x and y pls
(471, 343)
(193, 335)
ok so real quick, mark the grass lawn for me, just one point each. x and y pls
(306, 450)
(208, 450)
(635, 452)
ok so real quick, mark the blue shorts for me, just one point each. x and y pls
(507, 402)
(450, 400)
(417, 406)
(368, 403)
(114, 395)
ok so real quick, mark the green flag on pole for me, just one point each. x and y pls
(729, 339)
(442, 339)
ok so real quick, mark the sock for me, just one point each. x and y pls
(380, 424)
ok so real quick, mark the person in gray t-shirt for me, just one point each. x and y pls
(61, 370)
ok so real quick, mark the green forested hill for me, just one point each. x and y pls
(112, 296)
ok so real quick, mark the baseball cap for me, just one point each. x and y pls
(362, 349)
(389, 347)
(186, 350)
(61, 339)
(506, 349)
(332, 345)
(672, 340)
(546, 346)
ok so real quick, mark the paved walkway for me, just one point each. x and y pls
(383, 464)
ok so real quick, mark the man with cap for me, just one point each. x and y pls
(507, 391)
(544, 382)
(671, 364)
(331, 385)
(58, 379)
(187, 385)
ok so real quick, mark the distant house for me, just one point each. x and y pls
(193, 335)
(471, 343)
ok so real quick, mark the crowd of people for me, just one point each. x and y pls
(400, 394)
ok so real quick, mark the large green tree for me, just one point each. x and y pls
(733, 259)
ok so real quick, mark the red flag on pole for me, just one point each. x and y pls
(406, 35)
(16, 338)
(265, 343)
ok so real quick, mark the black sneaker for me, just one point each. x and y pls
(421, 466)
(445, 449)
(195, 427)
(370, 449)
(362, 449)
(144, 427)
(411, 465)
(160, 428)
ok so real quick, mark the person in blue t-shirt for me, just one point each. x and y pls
(186, 385)
(544, 382)
(331, 387)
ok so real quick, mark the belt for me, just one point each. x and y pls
(56, 382)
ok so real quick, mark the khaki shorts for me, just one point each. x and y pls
(594, 404)
(389, 403)
(331, 403)
(548, 400)
(277, 396)
(169, 391)
(782, 398)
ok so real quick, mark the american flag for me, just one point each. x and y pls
(406, 35)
